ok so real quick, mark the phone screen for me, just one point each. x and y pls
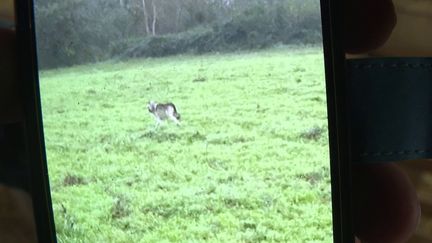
(185, 120)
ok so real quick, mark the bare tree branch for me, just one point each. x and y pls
(154, 18)
(145, 17)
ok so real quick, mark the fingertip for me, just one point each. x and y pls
(385, 204)
(367, 24)
(7, 9)
(10, 97)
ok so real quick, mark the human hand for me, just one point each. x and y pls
(10, 102)
(385, 205)
(399, 28)
(16, 216)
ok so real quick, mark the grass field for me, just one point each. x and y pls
(248, 164)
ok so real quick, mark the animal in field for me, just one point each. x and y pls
(163, 112)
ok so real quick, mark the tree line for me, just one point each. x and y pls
(72, 32)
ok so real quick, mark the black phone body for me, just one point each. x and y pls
(336, 108)
(33, 128)
(332, 25)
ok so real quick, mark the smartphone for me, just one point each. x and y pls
(215, 121)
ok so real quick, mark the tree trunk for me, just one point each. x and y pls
(177, 19)
(146, 22)
(154, 18)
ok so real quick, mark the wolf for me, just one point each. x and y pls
(164, 112)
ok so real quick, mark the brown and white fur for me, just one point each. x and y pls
(163, 112)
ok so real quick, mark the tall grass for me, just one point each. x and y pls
(249, 162)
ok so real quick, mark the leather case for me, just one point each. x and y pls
(390, 109)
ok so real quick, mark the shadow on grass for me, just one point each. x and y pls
(120, 208)
(314, 133)
(74, 180)
(161, 136)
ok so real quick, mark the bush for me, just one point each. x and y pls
(255, 28)
(78, 31)
(73, 32)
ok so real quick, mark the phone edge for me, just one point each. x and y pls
(334, 61)
(28, 73)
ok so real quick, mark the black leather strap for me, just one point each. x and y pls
(390, 109)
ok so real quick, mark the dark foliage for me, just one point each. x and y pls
(255, 28)
(77, 31)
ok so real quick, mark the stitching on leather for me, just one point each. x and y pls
(393, 65)
(376, 154)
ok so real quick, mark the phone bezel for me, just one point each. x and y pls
(334, 60)
(35, 147)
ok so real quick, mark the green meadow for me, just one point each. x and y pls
(249, 162)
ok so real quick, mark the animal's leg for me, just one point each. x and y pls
(158, 123)
(174, 120)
